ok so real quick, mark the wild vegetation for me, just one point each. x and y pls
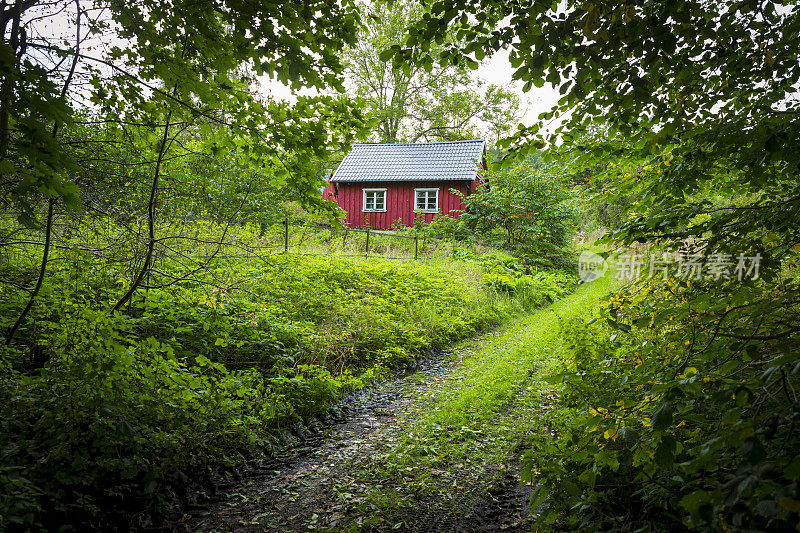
(476, 423)
(530, 210)
(150, 334)
(105, 413)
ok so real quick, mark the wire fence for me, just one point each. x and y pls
(321, 239)
(107, 248)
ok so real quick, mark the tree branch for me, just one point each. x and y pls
(151, 220)
(52, 201)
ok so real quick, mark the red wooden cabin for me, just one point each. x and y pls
(382, 184)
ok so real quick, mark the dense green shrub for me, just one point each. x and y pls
(528, 210)
(113, 420)
(668, 421)
(532, 288)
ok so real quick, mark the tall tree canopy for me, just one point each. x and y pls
(160, 84)
(712, 92)
(422, 101)
(173, 66)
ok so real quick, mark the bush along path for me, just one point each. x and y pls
(436, 449)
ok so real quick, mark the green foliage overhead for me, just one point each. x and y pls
(692, 386)
(707, 94)
(170, 68)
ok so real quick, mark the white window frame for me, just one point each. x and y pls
(426, 190)
(364, 201)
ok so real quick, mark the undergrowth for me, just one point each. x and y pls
(675, 412)
(106, 415)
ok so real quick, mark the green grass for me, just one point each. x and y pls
(499, 368)
(478, 421)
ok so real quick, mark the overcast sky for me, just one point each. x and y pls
(498, 70)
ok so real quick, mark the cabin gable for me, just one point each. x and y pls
(381, 186)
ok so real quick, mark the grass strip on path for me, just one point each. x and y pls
(468, 438)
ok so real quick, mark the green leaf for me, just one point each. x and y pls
(27, 220)
(662, 418)
(697, 504)
(793, 470)
(753, 450)
(772, 144)
(665, 451)
(629, 435)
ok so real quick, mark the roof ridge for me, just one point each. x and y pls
(421, 144)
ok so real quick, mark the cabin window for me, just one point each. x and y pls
(427, 200)
(374, 199)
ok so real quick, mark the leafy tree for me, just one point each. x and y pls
(531, 204)
(150, 71)
(173, 82)
(604, 206)
(678, 79)
(425, 101)
(702, 107)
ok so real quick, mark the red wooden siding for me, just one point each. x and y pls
(399, 201)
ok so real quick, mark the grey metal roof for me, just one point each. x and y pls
(455, 160)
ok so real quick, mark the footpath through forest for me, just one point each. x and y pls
(436, 449)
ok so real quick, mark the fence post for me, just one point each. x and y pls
(366, 253)
(286, 235)
(416, 247)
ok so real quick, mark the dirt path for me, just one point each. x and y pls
(435, 449)
(319, 484)
(312, 485)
